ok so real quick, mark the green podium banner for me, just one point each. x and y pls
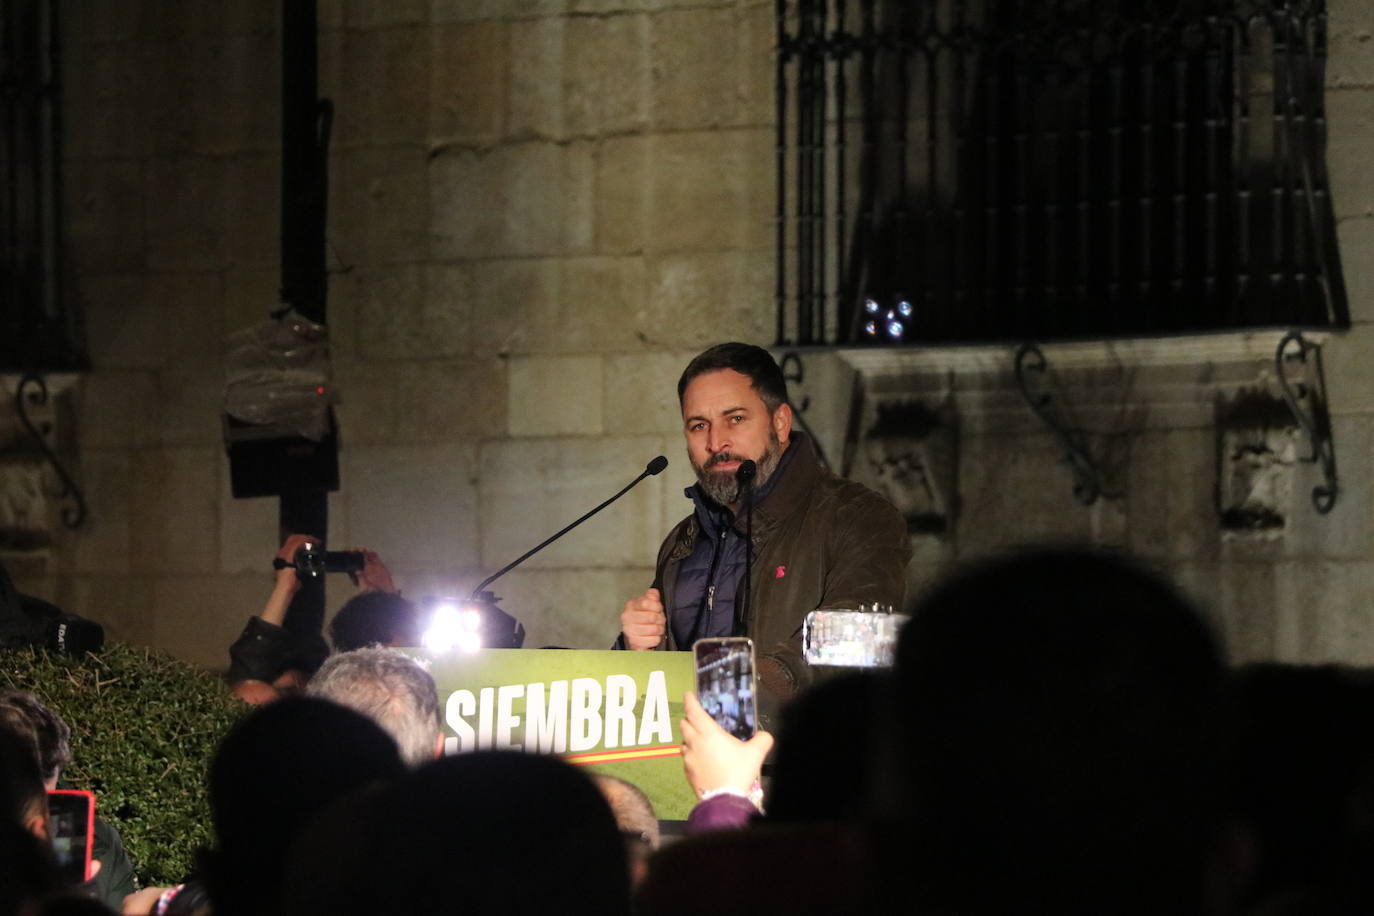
(613, 712)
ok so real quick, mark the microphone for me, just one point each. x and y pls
(652, 468)
(744, 478)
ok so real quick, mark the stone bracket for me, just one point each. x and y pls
(1087, 476)
(24, 399)
(1304, 388)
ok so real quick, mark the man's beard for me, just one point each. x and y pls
(721, 486)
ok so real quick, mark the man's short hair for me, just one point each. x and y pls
(765, 376)
(390, 688)
(24, 714)
(375, 619)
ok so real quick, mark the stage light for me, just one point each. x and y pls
(467, 626)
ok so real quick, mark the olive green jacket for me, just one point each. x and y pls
(820, 541)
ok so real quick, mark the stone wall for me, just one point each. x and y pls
(539, 210)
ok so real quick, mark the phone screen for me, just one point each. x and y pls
(71, 820)
(725, 683)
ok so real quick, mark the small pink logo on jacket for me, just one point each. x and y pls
(782, 571)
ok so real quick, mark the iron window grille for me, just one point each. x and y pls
(979, 170)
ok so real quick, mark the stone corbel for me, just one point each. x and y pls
(910, 454)
(1257, 453)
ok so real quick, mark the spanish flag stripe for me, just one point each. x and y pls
(637, 753)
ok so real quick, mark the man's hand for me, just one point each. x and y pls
(274, 612)
(643, 621)
(714, 758)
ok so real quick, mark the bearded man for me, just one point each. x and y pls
(820, 541)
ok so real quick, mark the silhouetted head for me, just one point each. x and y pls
(480, 833)
(822, 767)
(1298, 787)
(375, 619)
(278, 768)
(1053, 710)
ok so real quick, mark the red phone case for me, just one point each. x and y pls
(90, 824)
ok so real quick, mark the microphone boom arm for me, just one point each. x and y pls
(653, 468)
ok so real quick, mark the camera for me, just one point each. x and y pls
(311, 561)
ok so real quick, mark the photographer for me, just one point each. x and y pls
(266, 660)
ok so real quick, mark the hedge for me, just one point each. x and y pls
(144, 726)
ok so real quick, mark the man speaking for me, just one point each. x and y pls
(820, 541)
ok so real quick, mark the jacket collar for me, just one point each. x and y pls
(796, 475)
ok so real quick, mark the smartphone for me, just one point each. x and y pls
(725, 683)
(71, 820)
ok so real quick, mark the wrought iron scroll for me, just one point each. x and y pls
(72, 515)
(1087, 477)
(792, 372)
(1307, 400)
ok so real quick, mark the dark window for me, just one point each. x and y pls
(955, 170)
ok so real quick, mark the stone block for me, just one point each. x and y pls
(165, 67)
(701, 298)
(1247, 604)
(1017, 490)
(379, 206)
(597, 303)
(104, 113)
(469, 82)
(123, 327)
(530, 489)
(416, 505)
(1349, 370)
(123, 605)
(116, 409)
(381, 79)
(186, 226)
(188, 309)
(85, 22)
(641, 393)
(535, 107)
(447, 401)
(236, 98)
(474, 10)
(174, 511)
(1350, 51)
(390, 304)
(101, 544)
(605, 77)
(696, 78)
(251, 295)
(247, 532)
(711, 190)
(555, 396)
(254, 227)
(104, 215)
(1355, 236)
(623, 194)
(372, 14)
(1171, 494)
(197, 617)
(576, 609)
(524, 199)
(1347, 531)
(1350, 131)
(557, 306)
(368, 410)
(190, 404)
(1324, 612)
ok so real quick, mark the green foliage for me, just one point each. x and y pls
(144, 726)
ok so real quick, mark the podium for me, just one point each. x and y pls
(613, 712)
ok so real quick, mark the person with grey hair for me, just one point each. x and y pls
(393, 690)
(634, 815)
